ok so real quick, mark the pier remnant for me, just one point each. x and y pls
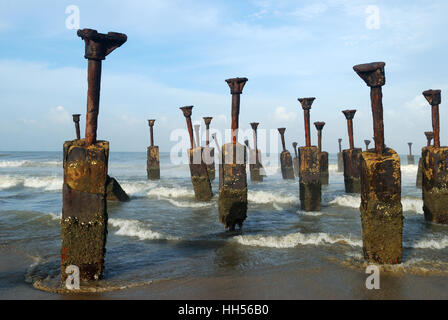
(429, 135)
(76, 121)
(309, 166)
(410, 156)
(198, 169)
(340, 159)
(285, 158)
(209, 153)
(114, 192)
(85, 162)
(255, 166)
(220, 167)
(232, 202)
(367, 142)
(381, 209)
(295, 161)
(435, 168)
(323, 155)
(352, 158)
(152, 162)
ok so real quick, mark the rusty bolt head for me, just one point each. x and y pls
(207, 120)
(349, 114)
(433, 96)
(151, 122)
(319, 125)
(306, 103)
(254, 125)
(281, 130)
(372, 73)
(76, 117)
(429, 135)
(236, 85)
(99, 45)
(187, 111)
(294, 145)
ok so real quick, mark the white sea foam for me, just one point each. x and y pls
(134, 228)
(312, 214)
(54, 216)
(410, 169)
(428, 244)
(176, 192)
(265, 197)
(137, 187)
(48, 183)
(190, 204)
(333, 168)
(28, 163)
(294, 239)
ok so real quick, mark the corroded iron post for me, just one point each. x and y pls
(309, 166)
(232, 202)
(209, 153)
(85, 162)
(285, 158)
(198, 169)
(255, 166)
(410, 156)
(323, 155)
(435, 169)
(152, 155)
(367, 142)
(381, 209)
(76, 121)
(429, 136)
(295, 161)
(340, 160)
(352, 158)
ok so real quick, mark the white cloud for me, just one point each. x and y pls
(59, 115)
(281, 115)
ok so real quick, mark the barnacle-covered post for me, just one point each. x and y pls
(232, 202)
(255, 166)
(198, 169)
(429, 135)
(435, 169)
(410, 156)
(323, 155)
(85, 161)
(340, 160)
(209, 153)
(309, 166)
(295, 161)
(153, 165)
(285, 158)
(76, 121)
(352, 158)
(381, 209)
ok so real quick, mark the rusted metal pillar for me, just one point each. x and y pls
(367, 142)
(285, 158)
(198, 169)
(435, 169)
(352, 158)
(255, 166)
(381, 209)
(220, 166)
(232, 202)
(209, 153)
(309, 166)
(340, 160)
(295, 161)
(323, 155)
(85, 162)
(429, 136)
(410, 156)
(152, 162)
(76, 121)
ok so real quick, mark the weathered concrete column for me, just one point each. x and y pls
(435, 169)
(285, 159)
(152, 162)
(85, 162)
(232, 202)
(295, 161)
(323, 155)
(76, 121)
(429, 135)
(410, 156)
(255, 166)
(209, 153)
(340, 159)
(381, 209)
(367, 142)
(309, 166)
(198, 169)
(352, 158)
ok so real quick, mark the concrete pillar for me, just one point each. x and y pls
(232, 202)
(295, 161)
(198, 169)
(435, 169)
(429, 135)
(340, 158)
(323, 155)
(85, 162)
(381, 209)
(352, 158)
(209, 153)
(309, 166)
(152, 156)
(255, 166)
(285, 158)
(410, 156)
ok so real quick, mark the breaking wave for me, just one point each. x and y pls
(134, 228)
(48, 183)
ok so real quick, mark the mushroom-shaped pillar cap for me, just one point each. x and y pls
(246, 142)
(254, 125)
(367, 141)
(349, 114)
(409, 143)
(151, 122)
(339, 140)
(433, 96)
(429, 135)
(306, 102)
(76, 117)
(99, 45)
(187, 111)
(319, 125)
(236, 85)
(207, 120)
(294, 144)
(281, 130)
(372, 73)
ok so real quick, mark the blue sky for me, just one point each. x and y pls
(180, 52)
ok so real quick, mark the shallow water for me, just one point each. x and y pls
(163, 233)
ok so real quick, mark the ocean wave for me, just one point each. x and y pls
(47, 183)
(134, 188)
(190, 204)
(436, 244)
(265, 197)
(28, 163)
(134, 228)
(294, 239)
(166, 192)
